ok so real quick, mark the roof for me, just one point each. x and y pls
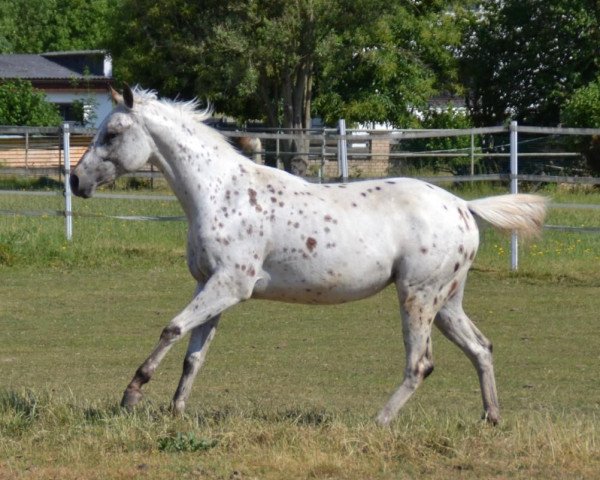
(88, 65)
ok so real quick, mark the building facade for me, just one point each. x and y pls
(76, 81)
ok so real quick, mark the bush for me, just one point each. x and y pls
(449, 118)
(583, 110)
(21, 104)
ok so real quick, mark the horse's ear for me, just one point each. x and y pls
(116, 96)
(128, 96)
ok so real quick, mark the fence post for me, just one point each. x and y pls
(278, 163)
(342, 150)
(472, 155)
(67, 155)
(323, 151)
(514, 188)
(27, 149)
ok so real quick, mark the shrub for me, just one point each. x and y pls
(21, 104)
(583, 110)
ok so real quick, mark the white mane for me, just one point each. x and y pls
(189, 108)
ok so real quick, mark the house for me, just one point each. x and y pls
(69, 79)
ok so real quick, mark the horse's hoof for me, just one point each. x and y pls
(131, 398)
(383, 419)
(493, 418)
(178, 408)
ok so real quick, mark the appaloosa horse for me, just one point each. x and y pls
(258, 232)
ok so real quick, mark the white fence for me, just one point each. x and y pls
(51, 152)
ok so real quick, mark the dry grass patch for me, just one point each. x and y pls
(62, 438)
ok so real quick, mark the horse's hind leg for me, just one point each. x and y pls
(455, 325)
(417, 320)
(200, 340)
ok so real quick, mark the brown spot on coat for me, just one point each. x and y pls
(464, 218)
(252, 196)
(311, 243)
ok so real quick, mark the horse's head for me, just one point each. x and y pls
(120, 146)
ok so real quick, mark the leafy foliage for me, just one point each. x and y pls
(35, 26)
(21, 104)
(583, 110)
(364, 60)
(380, 67)
(448, 118)
(522, 60)
(583, 107)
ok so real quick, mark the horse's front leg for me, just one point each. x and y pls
(200, 339)
(218, 294)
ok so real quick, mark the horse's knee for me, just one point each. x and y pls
(170, 333)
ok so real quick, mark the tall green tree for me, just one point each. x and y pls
(383, 60)
(522, 60)
(21, 104)
(367, 60)
(36, 26)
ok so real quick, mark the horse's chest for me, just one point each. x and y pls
(200, 256)
(209, 251)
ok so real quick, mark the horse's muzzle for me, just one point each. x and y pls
(76, 188)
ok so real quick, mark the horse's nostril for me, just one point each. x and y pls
(74, 182)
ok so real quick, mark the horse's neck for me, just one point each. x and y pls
(193, 163)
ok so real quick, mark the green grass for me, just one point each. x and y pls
(287, 392)
(290, 391)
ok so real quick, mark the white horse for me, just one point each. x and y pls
(258, 232)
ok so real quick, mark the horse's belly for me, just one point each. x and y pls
(328, 285)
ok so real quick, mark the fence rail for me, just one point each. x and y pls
(48, 152)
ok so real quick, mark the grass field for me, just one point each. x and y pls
(287, 392)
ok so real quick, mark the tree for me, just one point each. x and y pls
(386, 59)
(36, 26)
(253, 60)
(268, 59)
(522, 60)
(21, 104)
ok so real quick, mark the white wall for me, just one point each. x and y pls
(100, 101)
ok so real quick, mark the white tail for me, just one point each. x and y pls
(521, 213)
